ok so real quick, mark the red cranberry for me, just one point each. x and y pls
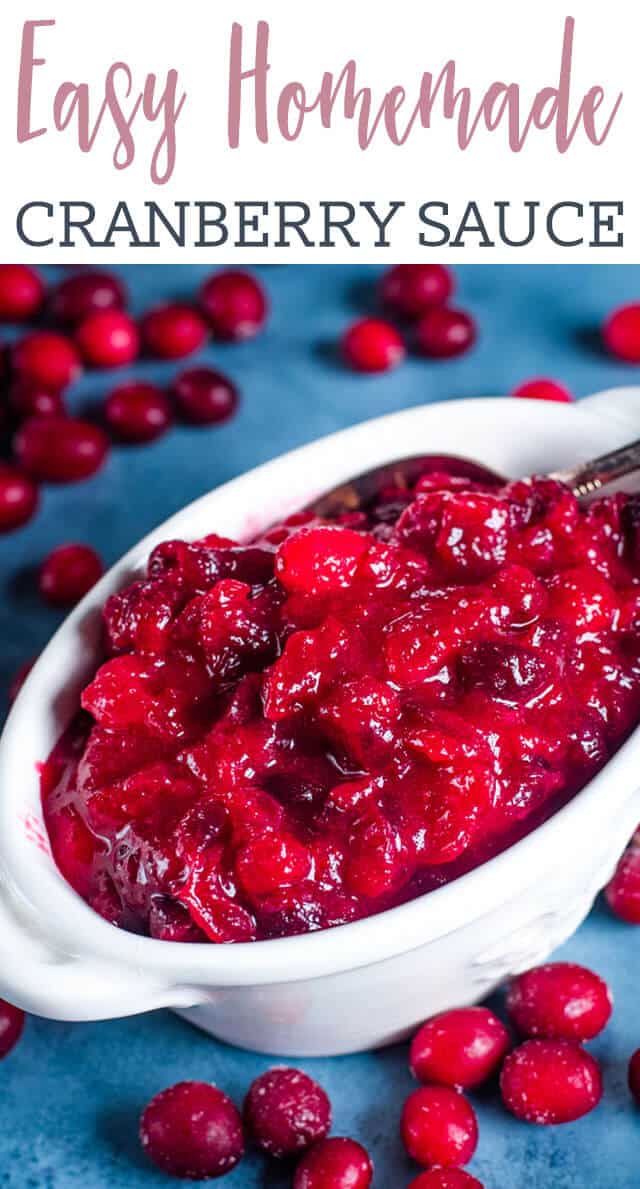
(138, 412)
(68, 573)
(334, 1164)
(541, 389)
(463, 1047)
(29, 399)
(60, 449)
(205, 397)
(409, 290)
(444, 333)
(446, 1178)
(21, 293)
(18, 498)
(173, 331)
(439, 1127)
(19, 678)
(372, 345)
(192, 1130)
(286, 1112)
(623, 891)
(634, 1075)
(560, 1000)
(48, 359)
(320, 560)
(87, 293)
(234, 304)
(108, 339)
(621, 333)
(11, 1026)
(550, 1081)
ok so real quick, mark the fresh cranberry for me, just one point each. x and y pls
(234, 304)
(11, 1026)
(372, 346)
(21, 293)
(550, 1081)
(541, 389)
(87, 293)
(621, 333)
(205, 397)
(19, 678)
(463, 1047)
(446, 1178)
(409, 290)
(192, 1130)
(29, 399)
(18, 498)
(60, 449)
(559, 1001)
(138, 412)
(46, 359)
(286, 1112)
(108, 339)
(634, 1075)
(622, 893)
(334, 1164)
(68, 573)
(443, 333)
(173, 331)
(439, 1127)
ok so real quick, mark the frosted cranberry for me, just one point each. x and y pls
(173, 331)
(48, 359)
(60, 449)
(621, 333)
(439, 1127)
(443, 333)
(138, 412)
(541, 389)
(623, 891)
(320, 560)
(463, 1047)
(234, 304)
(30, 399)
(87, 293)
(372, 346)
(560, 1000)
(286, 1112)
(334, 1164)
(11, 1026)
(19, 678)
(21, 293)
(108, 339)
(205, 397)
(18, 498)
(411, 289)
(68, 573)
(446, 1178)
(550, 1081)
(192, 1130)
(634, 1075)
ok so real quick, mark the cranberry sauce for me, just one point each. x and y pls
(302, 731)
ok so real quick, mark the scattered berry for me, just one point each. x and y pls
(559, 1001)
(463, 1047)
(234, 304)
(205, 397)
(541, 389)
(634, 1075)
(286, 1112)
(439, 1127)
(21, 293)
(334, 1164)
(443, 333)
(87, 293)
(446, 1178)
(60, 449)
(173, 331)
(68, 573)
(11, 1026)
(372, 345)
(18, 498)
(138, 412)
(192, 1130)
(48, 359)
(622, 893)
(409, 290)
(29, 399)
(621, 333)
(550, 1081)
(108, 339)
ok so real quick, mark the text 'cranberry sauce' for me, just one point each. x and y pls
(295, 733)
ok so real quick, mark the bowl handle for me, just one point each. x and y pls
(61, 985)
(622, 404)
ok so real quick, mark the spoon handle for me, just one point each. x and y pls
(587, 478)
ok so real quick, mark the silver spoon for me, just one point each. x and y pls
(584, 480)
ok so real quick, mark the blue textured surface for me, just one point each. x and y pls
(71, 1094)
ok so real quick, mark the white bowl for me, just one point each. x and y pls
(363, 984)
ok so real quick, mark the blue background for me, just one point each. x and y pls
(71, 1094)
